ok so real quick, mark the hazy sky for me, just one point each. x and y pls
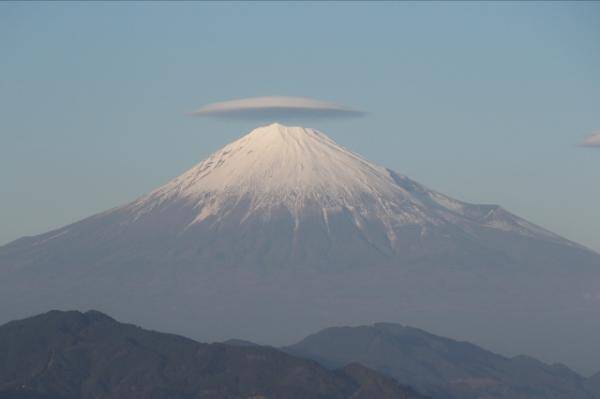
(486, 102)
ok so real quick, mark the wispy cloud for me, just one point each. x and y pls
(277, 107)
(593, 140)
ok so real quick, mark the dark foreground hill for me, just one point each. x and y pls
(444, 368)
(73, 355)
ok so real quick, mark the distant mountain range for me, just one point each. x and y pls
(73, 355)
(284, 232)
(442, 367)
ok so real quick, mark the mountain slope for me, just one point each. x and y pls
(441, 367)
(284, 231)
(66, 355)
(593, 384)
(302, 182)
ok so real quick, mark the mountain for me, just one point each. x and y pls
(442, 367)
(284, 232)
(593, 384)
(239, 342)
(64, 355)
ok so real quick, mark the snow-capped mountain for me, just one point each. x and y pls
(296, 170)
(284, 231)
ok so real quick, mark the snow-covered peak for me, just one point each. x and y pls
(277, 167)
(284, 165)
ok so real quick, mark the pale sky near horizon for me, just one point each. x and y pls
(486, 102)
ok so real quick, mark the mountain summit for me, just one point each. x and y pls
(281, 166)
(284, 231)
(301, 177)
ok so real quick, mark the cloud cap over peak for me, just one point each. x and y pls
(277, 107)
(593, 140)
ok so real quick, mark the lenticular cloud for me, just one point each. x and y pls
(593, 140)
(277, 107)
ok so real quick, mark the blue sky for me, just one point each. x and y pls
(485, 102)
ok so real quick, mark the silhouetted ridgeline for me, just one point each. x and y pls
(73, 355)
(442, 367)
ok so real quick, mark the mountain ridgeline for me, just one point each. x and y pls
(284, 232)
(444, 368)
(73, 355)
